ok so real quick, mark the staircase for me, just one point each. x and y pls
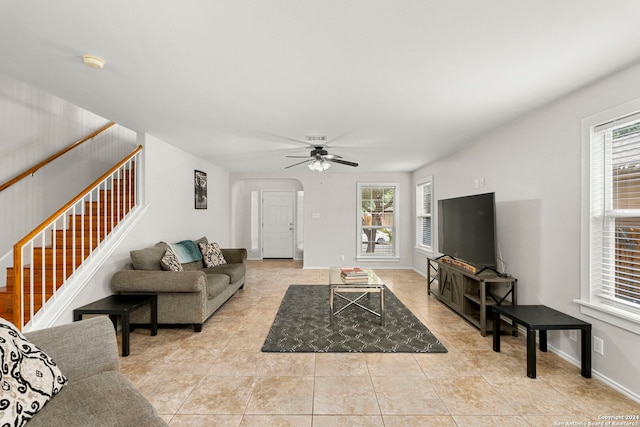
(53, 253)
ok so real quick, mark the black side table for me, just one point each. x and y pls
(542, 318)
(122, 305)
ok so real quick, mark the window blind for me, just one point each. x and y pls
(615, 212)
(424, 228)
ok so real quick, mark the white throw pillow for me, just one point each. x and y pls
(212, 254)
(170, 261)
(28, 377)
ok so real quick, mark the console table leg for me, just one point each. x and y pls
(496, 332)
(483, 308)
(543, 340)
(585, 343)
(125, 334)
(154, 316)
(531, 353)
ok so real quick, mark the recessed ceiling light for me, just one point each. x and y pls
(93, 61)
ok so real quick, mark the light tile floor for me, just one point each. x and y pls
(219, 377)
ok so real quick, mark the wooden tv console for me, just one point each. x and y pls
(470, 292)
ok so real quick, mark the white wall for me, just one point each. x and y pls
(171, 216)
(533, 166)
(333, 196)
(33, 126)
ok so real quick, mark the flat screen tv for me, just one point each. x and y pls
(467, 229)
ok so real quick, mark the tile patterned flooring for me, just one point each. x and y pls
(219, 377)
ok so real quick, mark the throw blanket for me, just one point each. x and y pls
(186, 251)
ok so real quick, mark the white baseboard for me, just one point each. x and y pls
(594, 374)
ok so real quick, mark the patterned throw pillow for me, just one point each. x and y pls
(170, 261)
(212, 254)
(28, 377)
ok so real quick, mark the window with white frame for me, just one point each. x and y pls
(611, 212)
(377, 217)
(424, 214)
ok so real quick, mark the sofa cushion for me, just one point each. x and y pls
(234, 271)
(28, 377)
(170, 261)
(105, 399)
(235, 255)
(216, 283)
(148, 258)
(203, 239)
(212, 255)
(193, 266)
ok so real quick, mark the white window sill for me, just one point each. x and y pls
(612, 315)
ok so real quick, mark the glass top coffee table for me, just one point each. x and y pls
(364, 286)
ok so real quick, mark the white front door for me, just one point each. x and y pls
(277, 224)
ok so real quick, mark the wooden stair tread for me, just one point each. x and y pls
(84, 233)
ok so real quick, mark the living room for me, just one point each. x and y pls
(533, 164)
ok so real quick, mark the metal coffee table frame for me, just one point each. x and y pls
(366, 287)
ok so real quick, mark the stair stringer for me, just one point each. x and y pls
(63, 299)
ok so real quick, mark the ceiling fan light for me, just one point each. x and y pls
(319, 165)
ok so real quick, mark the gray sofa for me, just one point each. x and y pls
(184, 297)
(97, 394)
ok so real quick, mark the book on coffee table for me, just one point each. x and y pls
(355, 274)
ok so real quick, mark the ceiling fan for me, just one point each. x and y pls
(320, 160)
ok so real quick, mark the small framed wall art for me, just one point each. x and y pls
(200, 186)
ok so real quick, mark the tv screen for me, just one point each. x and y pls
(467, 229)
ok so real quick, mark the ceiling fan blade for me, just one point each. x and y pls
(299, 163)
(298, 157)
(343, 162)
(332, 156)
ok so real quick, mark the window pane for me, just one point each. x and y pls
(620, 252)
(426, 231)
(627, 269)
(426, 198)
(377, 221)
(423, 214)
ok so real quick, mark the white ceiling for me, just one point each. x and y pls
(393, 84)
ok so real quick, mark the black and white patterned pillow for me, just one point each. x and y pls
(170, 261)
(28, 377)
(212, 254)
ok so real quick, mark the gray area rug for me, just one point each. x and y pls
(302, 325)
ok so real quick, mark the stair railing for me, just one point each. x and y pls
(48, 160)
(63, 241)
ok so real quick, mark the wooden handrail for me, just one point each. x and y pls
(75, 200)
(33, 169)
(17, 248)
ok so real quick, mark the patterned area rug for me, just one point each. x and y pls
(302, 325)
